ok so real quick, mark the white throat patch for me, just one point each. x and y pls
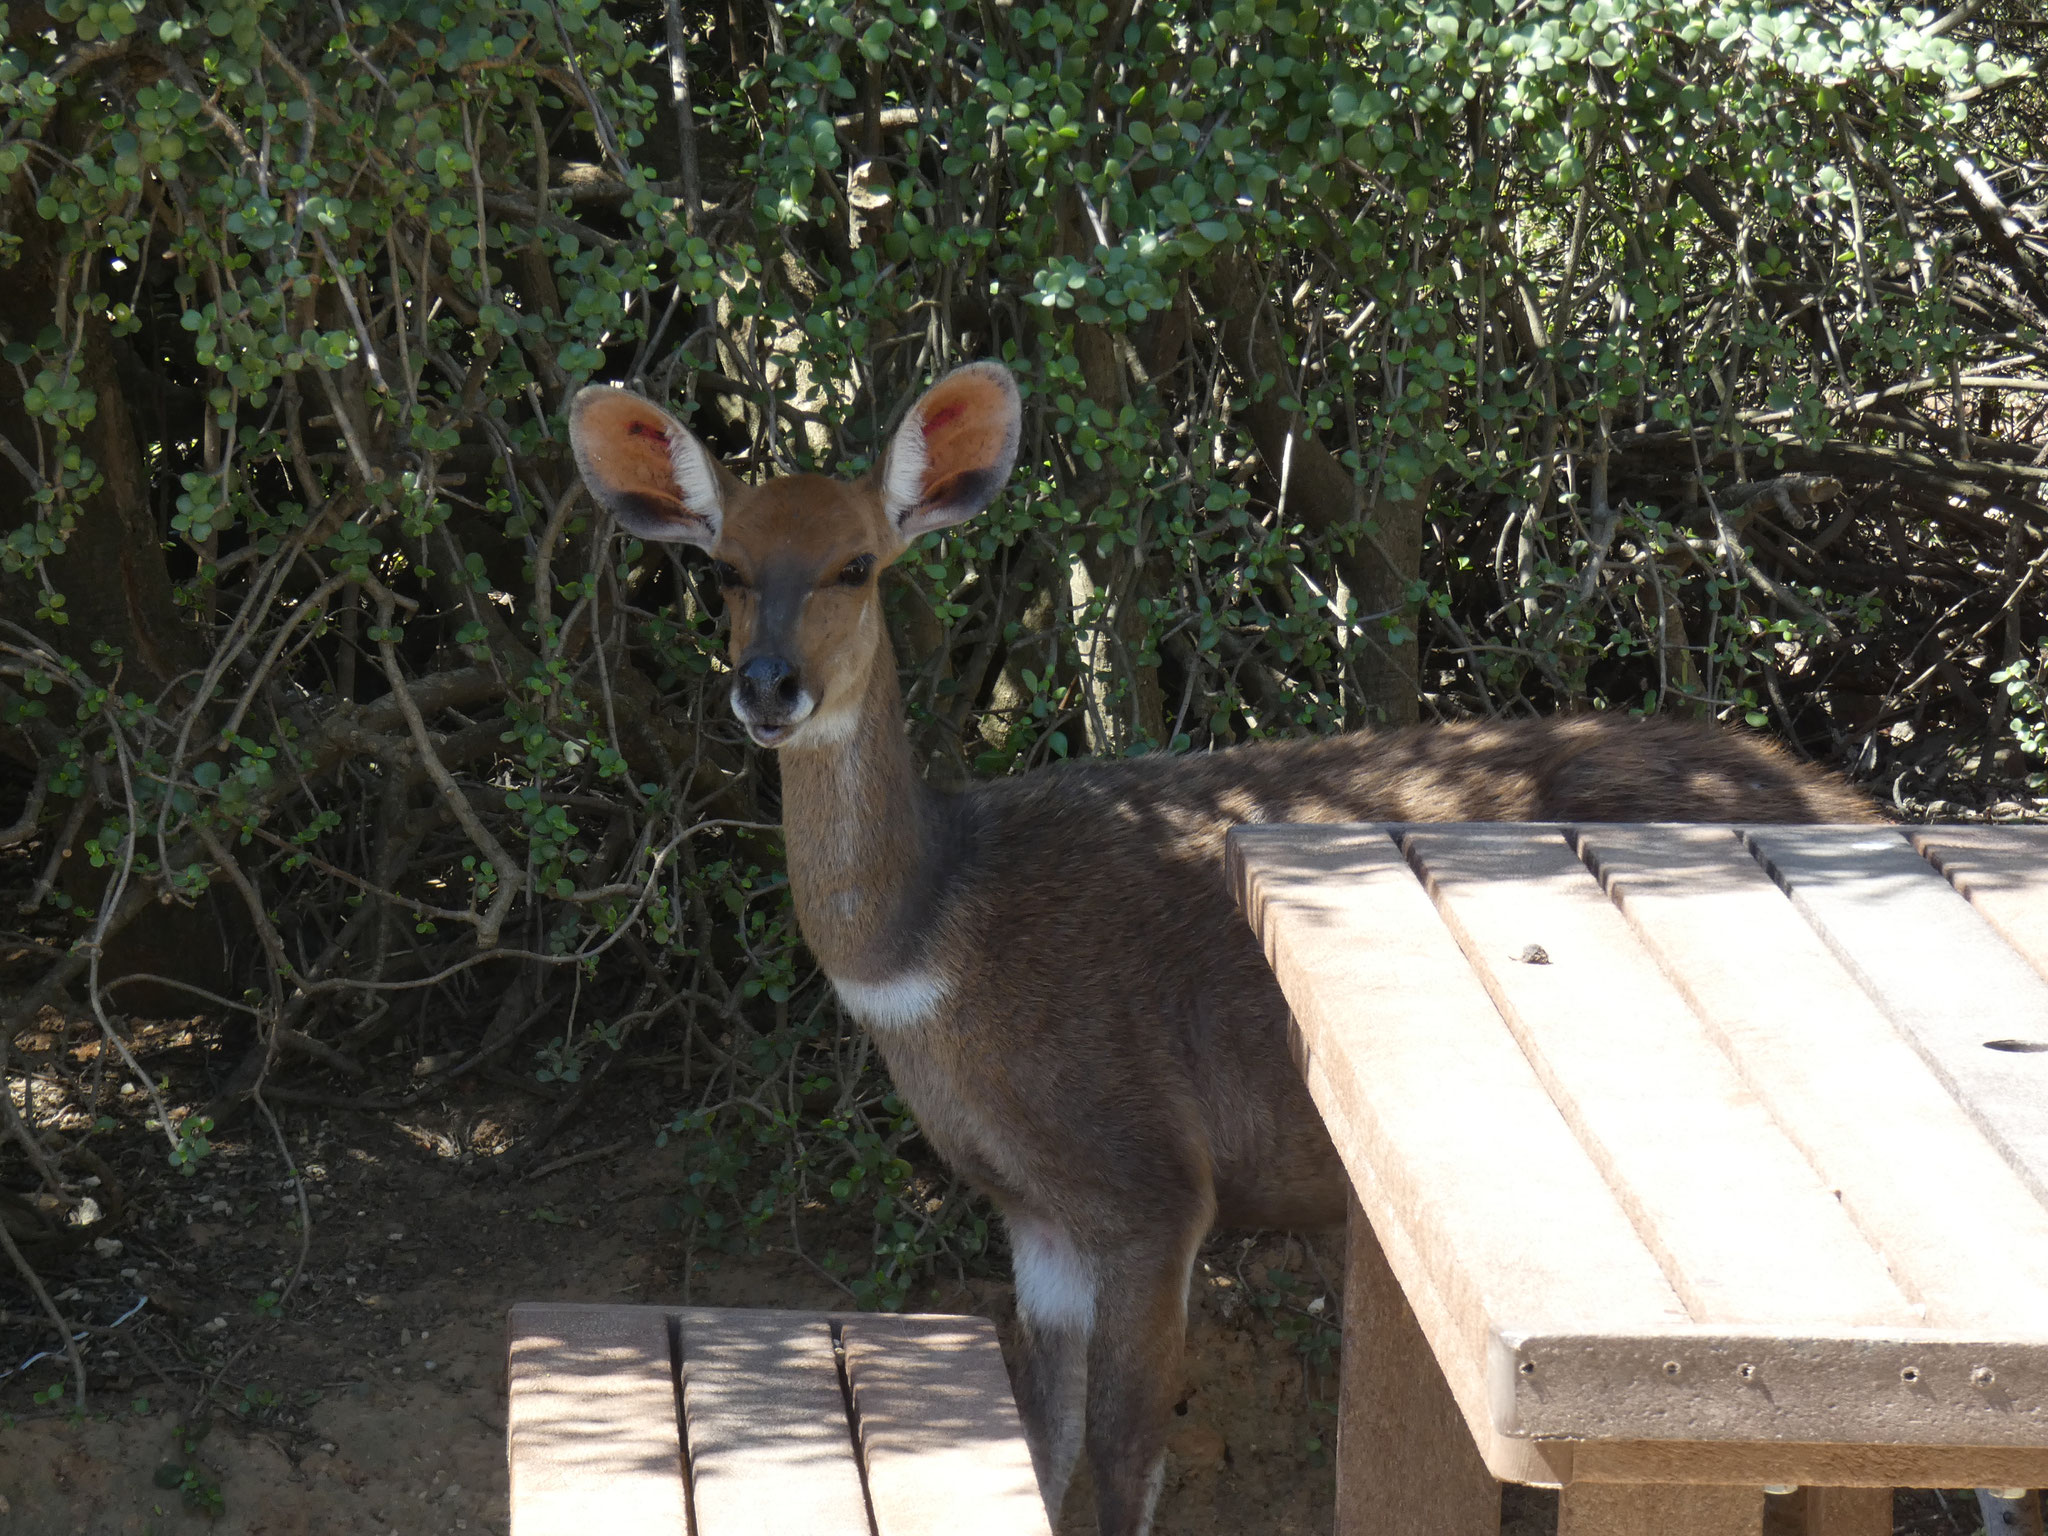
(904, 1001)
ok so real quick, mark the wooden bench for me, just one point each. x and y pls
(627, 1421)
(1689, 1162)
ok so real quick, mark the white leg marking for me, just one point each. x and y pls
(1153, 1483)
(1055, 1283)
(902, 1002)
(1056, 1300)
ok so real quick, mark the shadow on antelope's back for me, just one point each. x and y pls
(1051, 964)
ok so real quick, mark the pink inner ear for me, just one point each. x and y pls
(644, 429)
(944, 416)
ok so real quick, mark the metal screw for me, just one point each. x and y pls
(1781, 1488)
(1983, 1376)
(1672, 1368)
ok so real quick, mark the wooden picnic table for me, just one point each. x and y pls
(1689, 1162)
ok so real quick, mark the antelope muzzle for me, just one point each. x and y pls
(770, 699)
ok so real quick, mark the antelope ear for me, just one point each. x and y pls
(953, 451)
(646, 467)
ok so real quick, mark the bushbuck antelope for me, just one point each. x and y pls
(1051, 964)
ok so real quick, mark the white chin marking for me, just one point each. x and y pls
(1055, 1285)
(824, 728)
(902, 1002)
(775, 736)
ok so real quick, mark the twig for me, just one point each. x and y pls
(35, 1283)
(355, 315)
(511, 877)
(25, 824)
(578, 1157)
(319, 1050)
(686, 125)
(298, 1190)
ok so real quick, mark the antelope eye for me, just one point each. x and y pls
(857, 571)
(728, 578)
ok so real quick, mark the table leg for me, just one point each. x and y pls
(1843, 1511)
(2010, 1517)
(1660, 1509)
(1406, 1463)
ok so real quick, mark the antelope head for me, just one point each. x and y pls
(797, 557)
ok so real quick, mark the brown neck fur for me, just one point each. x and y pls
(859, 828)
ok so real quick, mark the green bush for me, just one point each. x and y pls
(1381, 362)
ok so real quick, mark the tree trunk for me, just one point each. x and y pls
(117, 588)
(117, 593)
(1385, 560)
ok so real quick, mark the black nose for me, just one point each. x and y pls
(769, 680)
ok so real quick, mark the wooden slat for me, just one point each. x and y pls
(771, 1450)
(1741, 1224)
(1617, 1509)
(1837, 1077)
(1873, 1466)
(1700, 1383)
(1406, 1461)
(1508, 1215)
(2004, 873)
(1462, 1361)
(1938, 970)
(591, 1425)
(944, 1448)
(1844, 1511)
